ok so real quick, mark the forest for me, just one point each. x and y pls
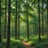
(23, 23)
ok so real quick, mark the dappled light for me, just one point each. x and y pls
(23, 23)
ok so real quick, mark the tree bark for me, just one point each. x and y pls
(8, 27)
(27, 17)
(0, 23)
(18, 19)
(16, 22)
(47, 16)
(39, 20)
(5, 20)
(42, 19)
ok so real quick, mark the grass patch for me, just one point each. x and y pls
(18, 43)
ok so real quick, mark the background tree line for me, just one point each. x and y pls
(19, 18)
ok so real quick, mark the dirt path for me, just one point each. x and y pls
(27, 45)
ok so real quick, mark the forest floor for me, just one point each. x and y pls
(18, 43)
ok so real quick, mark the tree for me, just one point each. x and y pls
(8, 27)
(18, 19)
(27, 17)
(16, 22)
(0, 23)
(5, 20)
(39, 20)
(47, 16)
(42, 18)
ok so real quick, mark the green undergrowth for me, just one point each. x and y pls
(18, 43)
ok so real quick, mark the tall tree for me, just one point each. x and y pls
(0, 22)
(27, 19)
(18, 19)
(42, 17)
(5, 19)
(39, 20)
(8, 27)
(16, 22)
(47, 16)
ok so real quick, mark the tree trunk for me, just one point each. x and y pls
(27, 17)
(16, 22)
(5, 20)
(42, 19)
(47, 16)
(18, 27)
(18, 19)
(0, 23)
(8, 27)
(39, 20)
